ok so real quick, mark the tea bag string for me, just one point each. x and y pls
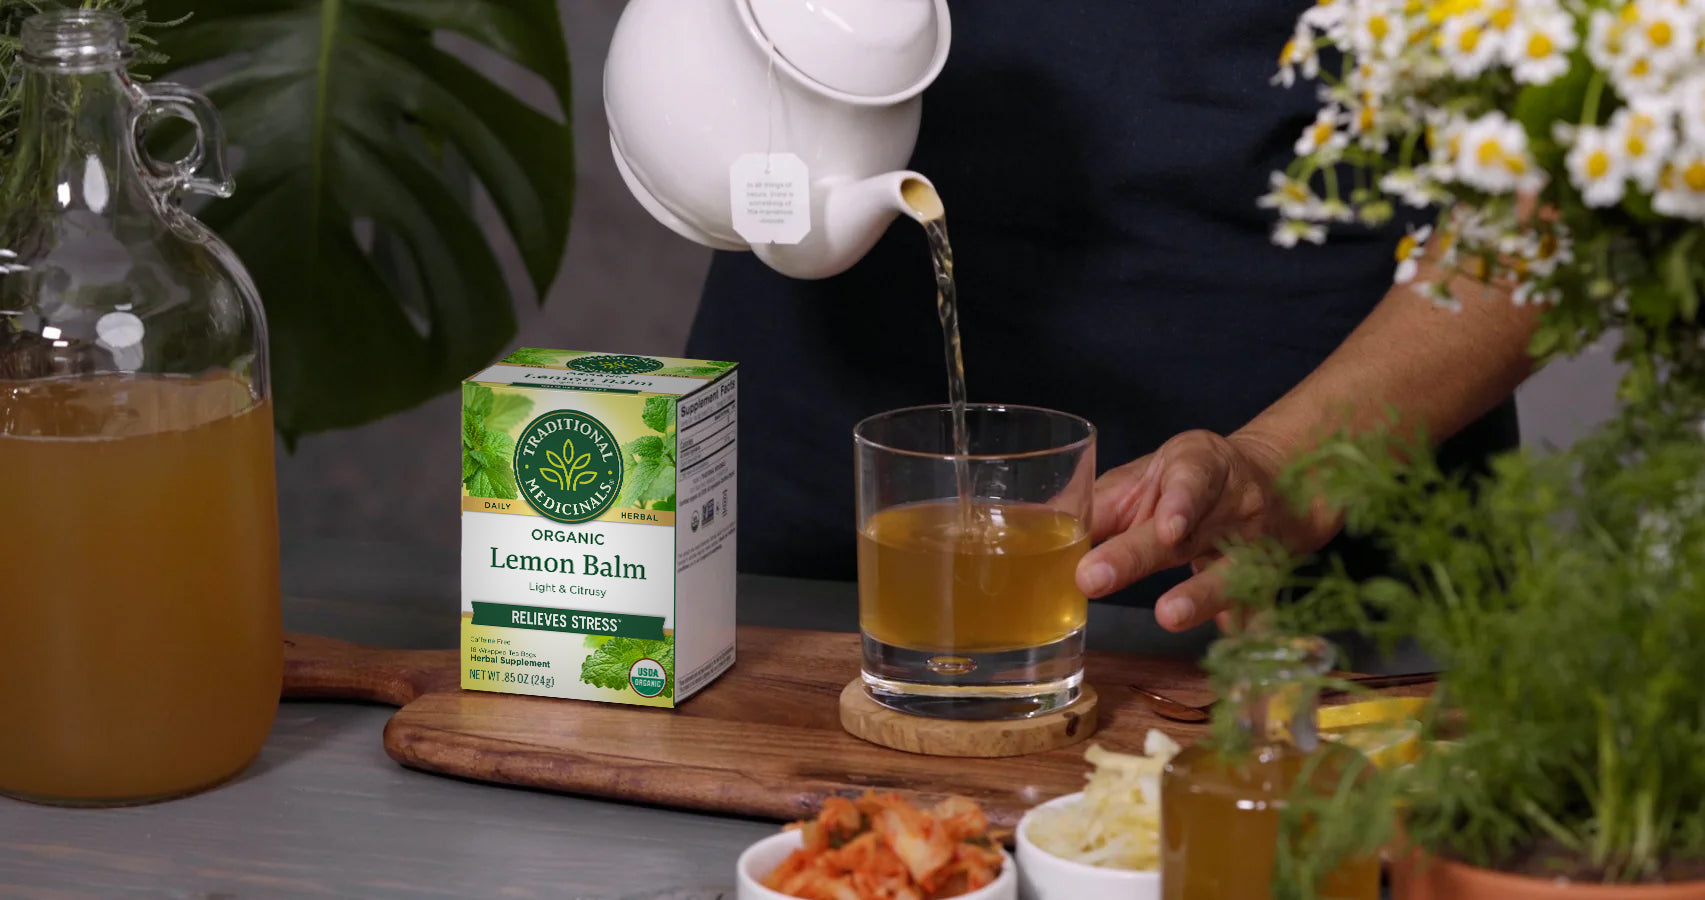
(769, 106)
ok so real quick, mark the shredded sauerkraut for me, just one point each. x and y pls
(1116, 824)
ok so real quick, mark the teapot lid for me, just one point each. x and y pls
(861, 51)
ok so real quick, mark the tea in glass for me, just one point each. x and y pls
(968, 598)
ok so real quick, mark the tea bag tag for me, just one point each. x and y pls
(770, 196)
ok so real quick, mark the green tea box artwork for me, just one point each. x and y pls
(598, 512)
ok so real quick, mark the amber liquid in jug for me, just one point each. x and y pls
(1220, 812)
(150, 641)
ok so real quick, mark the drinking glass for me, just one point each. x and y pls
(967, 559)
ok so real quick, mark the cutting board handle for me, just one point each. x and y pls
(329, 669)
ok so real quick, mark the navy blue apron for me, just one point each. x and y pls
(1100, 162)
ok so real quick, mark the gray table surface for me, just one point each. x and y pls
(324, 812)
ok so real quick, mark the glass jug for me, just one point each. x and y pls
(139, 592)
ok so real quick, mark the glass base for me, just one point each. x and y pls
(143, 800)
(1003, 684)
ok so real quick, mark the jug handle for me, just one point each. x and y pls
(203, 169)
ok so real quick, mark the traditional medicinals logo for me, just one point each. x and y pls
(568, 466)
(616, 365)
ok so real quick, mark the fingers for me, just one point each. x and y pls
(1195, 601)
(1190, 485)
(1119, 494)
(1124, 558)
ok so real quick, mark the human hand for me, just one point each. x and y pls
(1177, 506)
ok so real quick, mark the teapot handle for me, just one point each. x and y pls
(202, 170)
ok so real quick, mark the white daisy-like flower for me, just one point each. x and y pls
(1444, 145)
(1439, 292)
(1322, 135)
(1336, 211)
(1410, 248)
(1681, 185)
(1466, 44)
(1378, 29)
(1288, 232)
(1665, 32)
(1597, 166)
(1530, 293)
(1551, 249)
(1410, 186)
(1690, 107)
(1646, 137)
(1495, 158)
(1328, 17)
(1299, 53)
(1537, 46)
(1607, 38)
(1293, 198)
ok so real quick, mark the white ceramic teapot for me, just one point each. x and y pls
(691, 87)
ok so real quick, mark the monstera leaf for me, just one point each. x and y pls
(356, 135)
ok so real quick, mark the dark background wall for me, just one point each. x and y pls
(628, 286)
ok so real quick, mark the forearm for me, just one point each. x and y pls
(1438, 369)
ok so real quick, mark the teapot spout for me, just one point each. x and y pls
(852, 217)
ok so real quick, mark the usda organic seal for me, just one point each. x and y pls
(646, 677)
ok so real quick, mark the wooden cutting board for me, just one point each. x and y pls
(764, 740)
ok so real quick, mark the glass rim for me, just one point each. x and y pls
(861, 440)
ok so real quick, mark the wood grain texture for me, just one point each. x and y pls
(764, 740)
(864, 718)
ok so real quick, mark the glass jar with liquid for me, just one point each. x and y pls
(139, 614)
(1220, 807)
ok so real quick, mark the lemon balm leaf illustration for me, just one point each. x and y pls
(662, 487)
(507, 411)
(659, 413)
(647, 447)
(476, 401)
(691, 371)
(641, 473)
(531, 356)
(594, 641)
(608, 666)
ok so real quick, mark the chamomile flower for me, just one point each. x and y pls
(1328, 17)
(1681, 184)
(1410, 247)
(1690, 108)
(1597, 166)
(1293, 198)
(1378, 29)
(1663, 31)
(1529, 292)
(1466, 45)
(1439, 292)
(1444, 145)
(1552, 248)
(1607, 39)
(1410, 186)
(1299, 52)
(1290, 231)
(1537, 45)
(1495, 158)
(1645, 136)
(1322, 135)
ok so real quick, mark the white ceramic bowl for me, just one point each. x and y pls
(761, 859)
(1044, 876)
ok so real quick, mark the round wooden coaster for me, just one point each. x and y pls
(864, 718)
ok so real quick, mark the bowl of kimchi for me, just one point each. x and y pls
(881, 846)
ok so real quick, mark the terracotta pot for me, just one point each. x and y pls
(1433, 878)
